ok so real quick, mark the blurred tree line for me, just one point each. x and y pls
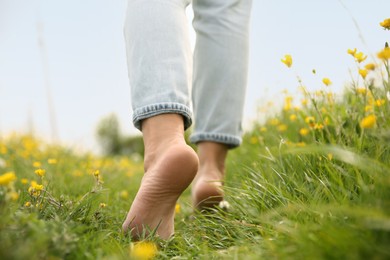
(113, 142)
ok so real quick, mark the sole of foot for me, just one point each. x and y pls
(207, 191)
(153, 208)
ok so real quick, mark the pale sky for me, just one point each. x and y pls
(87, 74)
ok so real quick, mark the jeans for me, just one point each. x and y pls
(162, 68)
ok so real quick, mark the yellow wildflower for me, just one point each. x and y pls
(254, 140)
(52, 161)
(3, 149)
(143, 250)
(124, 194)
(37, 164)
(301, 144)
(310, 121)
(96, 173)
(326, 81)
(13, 195)
(361, 91)
(102, 205)
(274, 121)
(282, 128)
(368, 108)
(360, 57)
(40, 172)
(287, 60)
(318, 126)
(363, 73)
(24, 181)
(288, 103)
(384, 54)
(385, 24)
(370, 66)
(368, 122)
(303, 131)
(352, 52)
(7, 178)
(263, 129)
(379, 102)
(177, 208)
(304, 102)
(326, 121)
(293, 117)
(27, 204)
(35, 189)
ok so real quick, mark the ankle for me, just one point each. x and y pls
(212, 157)
(159, 134)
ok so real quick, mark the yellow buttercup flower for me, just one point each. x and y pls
(37, 164)
(361, 91)
(326, 121)
(13, 195)
(287, 60)
(363, 73)
(379, 102)
(177, 208)
(370, 66)
(318, 126)
(27, 204)
(35, 189)
(40, 172)
(368, 122)
(274, 121)
(124, 194)
(326, 81)
(96, 173)
(368, 108)
(384, 54)
(143, 250)
(303, 131)
(282, 128)
(24, 181)
(360, 57)
(352, 52)
(385, 24)
(254, 140)
(293, 117)
(102, 205)
(7, 178)
(3, 149)
(310, 121)
(52, 161)
(263, 129)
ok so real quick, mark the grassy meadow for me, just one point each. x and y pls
(311, 182)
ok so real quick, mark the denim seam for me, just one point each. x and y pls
(162, 108)
(230, 140)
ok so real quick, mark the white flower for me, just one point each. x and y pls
(224, 205)
(3, 163)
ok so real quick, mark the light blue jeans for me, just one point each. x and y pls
(162, 68)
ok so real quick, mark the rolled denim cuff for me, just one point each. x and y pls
(162, 108)
(230, 141)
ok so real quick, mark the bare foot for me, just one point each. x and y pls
(170, 166)
(207, 189)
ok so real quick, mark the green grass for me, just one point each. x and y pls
(323, 193)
